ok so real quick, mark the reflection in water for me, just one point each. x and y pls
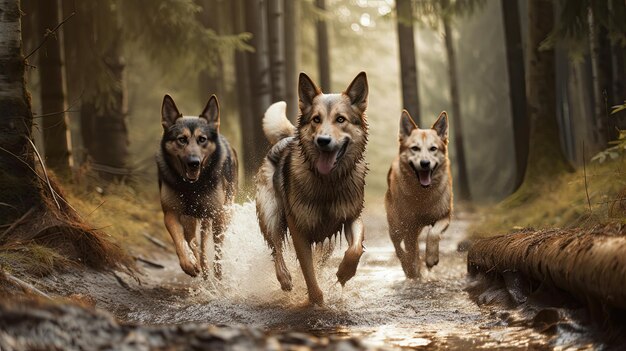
(379, 304)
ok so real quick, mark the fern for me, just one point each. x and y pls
(618, 146)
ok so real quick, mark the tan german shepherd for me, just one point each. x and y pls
(419, 194)
(312, 180)
(197, 180)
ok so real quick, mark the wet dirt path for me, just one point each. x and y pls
(379, 306)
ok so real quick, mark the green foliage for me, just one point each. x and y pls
(430, 12)
(572, 27)
(169, 32)
(618, 146)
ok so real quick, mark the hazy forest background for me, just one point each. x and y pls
(118, 58)
(530, 87)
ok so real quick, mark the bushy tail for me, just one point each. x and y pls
(276, 126)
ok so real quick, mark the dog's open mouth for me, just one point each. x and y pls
(424, 176)
(327, 160)
(191, 175)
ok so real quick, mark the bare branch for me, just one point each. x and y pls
(47, 35)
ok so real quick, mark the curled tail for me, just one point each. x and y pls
(276, 126)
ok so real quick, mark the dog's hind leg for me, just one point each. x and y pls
(218, 241)
(355, 234)
(206, 228)
(432, 241)
(305, 256)
(282, 273)
(272, 223)
(186, 258)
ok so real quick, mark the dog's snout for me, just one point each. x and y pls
(193, 162)
(323, 140)
(425, 164)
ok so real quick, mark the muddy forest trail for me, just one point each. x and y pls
(378, 307)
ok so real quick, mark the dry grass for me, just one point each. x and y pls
(562, 202)
(55, 235)
(124, 212)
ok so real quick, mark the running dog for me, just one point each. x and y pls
(312, 180)
(197, 180)
(419, 194)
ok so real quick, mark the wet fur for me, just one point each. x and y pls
(204, 201)
(292, 194)
(412, 209)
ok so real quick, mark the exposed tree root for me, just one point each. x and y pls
(588, 264)
(54, 224)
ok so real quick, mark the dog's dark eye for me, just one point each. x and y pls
(415, 148)
(341, 119)
(182, 140)
(201, 139)
(316, 119)
(433, 148)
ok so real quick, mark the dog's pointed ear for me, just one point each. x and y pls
(307, 91)
(407, 125)
(357, 91)
(211, 113)
(169, 112)
(441, 126)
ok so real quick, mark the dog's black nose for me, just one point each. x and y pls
(425, 163)
(193, 162)
(323, 140)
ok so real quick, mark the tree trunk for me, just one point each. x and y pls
(517, 85)
(599, 84)
(211, 82)
(17, 191)
(545, 156)
(104, 105)
(244, 101)
(276, 29)
(323, 54)
(56, 135)
(259, 84)
(291, 57)
(408, 66)
(462, 181)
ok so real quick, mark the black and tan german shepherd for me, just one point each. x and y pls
(312, 180)
(197, 180)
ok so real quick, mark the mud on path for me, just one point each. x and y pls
(379, 306)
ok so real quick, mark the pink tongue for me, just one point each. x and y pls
(424, 177)
(326, 162)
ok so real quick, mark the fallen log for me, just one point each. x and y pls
(590, 264)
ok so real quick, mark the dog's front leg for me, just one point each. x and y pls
(432, 241)
(186, 257)
(305, 257)
(355, 234)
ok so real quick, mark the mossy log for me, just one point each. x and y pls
(589, 264)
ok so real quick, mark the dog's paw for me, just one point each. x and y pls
(286, 285)
(432, 261)
(410, 268)
(347, 267)
(217, 270)
(284, 278)
(316, 298)
(432, 256)
(191, 268)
